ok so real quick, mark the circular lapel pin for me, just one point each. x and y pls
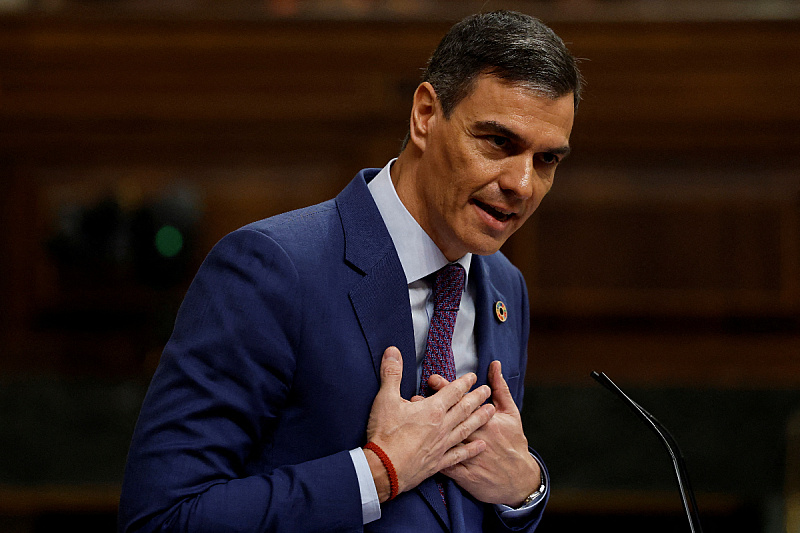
(500, 311)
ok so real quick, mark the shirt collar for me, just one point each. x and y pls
(418, 254)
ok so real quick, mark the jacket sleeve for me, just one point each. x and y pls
(214, 401)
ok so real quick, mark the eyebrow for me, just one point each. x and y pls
(493, 127)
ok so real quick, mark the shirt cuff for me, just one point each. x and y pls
(510, 513)
(370, 504)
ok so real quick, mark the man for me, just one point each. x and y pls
(302, 390)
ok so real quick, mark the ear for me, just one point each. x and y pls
(423, 114)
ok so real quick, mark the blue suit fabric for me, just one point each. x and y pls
(269, 376)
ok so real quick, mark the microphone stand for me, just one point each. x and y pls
(687, 495)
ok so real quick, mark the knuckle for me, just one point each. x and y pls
(473, 400)
(465, 408)
(464, 431)
(437, 414)
(461, 385)
(392, 369)
(459, 454)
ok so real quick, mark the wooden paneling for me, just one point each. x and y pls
(145, 89)
(669, 256)
(653, 88)
(689, 89)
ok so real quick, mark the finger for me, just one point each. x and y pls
(417, 398)
(461, 453)
(437, 382)
(476, 420)
(468, 403)
(501, 394)
(457, 469)
(451, 471)
(391, 369)
(453, 392)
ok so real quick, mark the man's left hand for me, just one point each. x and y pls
(505, 472)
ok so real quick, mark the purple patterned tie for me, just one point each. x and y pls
(447, 289)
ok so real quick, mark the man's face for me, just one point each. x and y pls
(483, 171)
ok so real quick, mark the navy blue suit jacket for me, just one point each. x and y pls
(271, 370)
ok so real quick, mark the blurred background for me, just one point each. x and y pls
(136, 133)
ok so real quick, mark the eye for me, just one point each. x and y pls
(498, 140)
(548, 159)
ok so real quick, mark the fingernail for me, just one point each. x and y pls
(392, 354)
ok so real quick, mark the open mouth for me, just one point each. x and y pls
(499, 215)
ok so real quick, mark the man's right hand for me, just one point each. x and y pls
(424, 436)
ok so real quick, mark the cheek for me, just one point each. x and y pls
(545, 175)
(543, 182)
(471, 167)
(534, 202)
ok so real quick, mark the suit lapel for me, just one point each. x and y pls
(385, 317)
(430, 493)
(380, 299)
(505, 341)
(490, 334)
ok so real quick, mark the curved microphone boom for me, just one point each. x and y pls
(687, 495)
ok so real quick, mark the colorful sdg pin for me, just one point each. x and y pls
(501, 311)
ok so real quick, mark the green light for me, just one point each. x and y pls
(169, 241)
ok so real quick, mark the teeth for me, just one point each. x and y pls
(499, 215)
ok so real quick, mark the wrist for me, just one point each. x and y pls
(534, 488)
(383, 473)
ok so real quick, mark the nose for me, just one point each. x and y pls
(519, 177)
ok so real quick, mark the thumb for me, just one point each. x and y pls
(391, 369)
(501, 394)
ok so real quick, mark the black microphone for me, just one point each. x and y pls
(687, 495)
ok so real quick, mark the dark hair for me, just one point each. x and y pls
(513, 46)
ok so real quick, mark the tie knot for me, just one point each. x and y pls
(448, 286)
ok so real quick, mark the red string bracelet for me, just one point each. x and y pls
(387, 464)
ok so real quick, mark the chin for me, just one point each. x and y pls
(485, 248)
(487, 252)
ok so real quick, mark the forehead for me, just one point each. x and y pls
(524, 110)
